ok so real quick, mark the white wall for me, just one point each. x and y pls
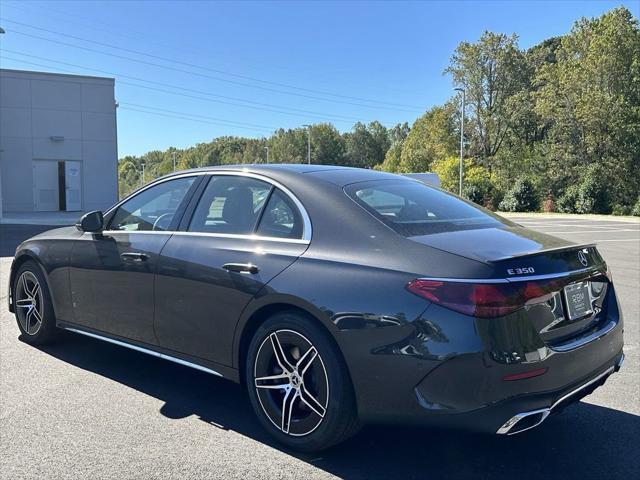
(37, 106)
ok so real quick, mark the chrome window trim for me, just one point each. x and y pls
(255, 238)
(153, 353)
(306, 228)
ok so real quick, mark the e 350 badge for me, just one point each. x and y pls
(521, 270)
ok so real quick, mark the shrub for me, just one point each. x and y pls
(567, 201)
(621, 210)
(636, 208)
(474, 193)
(590, 195)
(522, 197)
(593, 194)
(478, 189)
(494, 198)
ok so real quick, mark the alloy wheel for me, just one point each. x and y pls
(291, 382)
(29, 303)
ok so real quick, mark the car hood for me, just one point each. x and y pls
(493, 244)
(58, 233)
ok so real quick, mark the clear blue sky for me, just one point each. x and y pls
(248, 68)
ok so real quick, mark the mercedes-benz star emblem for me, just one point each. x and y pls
(583, 258)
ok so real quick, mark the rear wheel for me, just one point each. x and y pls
(33, 307)
(298, 384)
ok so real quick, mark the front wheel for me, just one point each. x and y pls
(298, 384)
(33, 306)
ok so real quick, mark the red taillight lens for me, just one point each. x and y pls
(481, 299)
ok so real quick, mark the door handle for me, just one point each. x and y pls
(134, 257)
(241, 268)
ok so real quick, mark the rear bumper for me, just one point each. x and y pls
(522, 412)
(453, 372)
(524, 421)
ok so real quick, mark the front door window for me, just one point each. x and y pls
(152, 209)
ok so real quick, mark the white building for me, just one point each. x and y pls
(58, 142)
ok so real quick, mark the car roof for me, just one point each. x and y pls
(335, 174)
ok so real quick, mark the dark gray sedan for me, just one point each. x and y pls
(337, 296)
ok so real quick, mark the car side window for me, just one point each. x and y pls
(281, 218)
(230, 204)
(152, 209)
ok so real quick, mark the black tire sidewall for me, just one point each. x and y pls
(340, 408)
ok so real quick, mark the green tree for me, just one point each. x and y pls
(491, 71)
(391, 161)
(589, 100)
(366, 144)
(288, 146)
(397, 136)
(432, 137)
(128, 175)
(327, 145)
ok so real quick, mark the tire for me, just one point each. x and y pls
(33, 307)
(314, 383)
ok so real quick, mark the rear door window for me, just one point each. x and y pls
(231, 205)
(280, 218)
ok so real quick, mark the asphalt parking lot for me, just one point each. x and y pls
(86, 409)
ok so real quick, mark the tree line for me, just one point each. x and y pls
(555, 127)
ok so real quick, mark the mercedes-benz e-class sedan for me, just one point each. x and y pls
(337, 296)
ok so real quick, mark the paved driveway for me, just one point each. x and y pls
(86, 409)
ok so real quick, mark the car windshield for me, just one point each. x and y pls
(412, 208)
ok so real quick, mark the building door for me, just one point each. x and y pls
(45, 186)
(73, 185)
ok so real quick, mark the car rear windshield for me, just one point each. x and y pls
(412, 208)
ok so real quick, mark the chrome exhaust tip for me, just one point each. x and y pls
(620, 362)
(524, 421)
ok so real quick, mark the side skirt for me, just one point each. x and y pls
(217, 370)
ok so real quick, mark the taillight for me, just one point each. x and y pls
(482, 299)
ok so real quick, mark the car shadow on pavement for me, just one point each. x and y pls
(586, 441)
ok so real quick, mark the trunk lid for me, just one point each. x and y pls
(515, 251)
(492, 243)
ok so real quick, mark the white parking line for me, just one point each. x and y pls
(579, 225)
(603, 227)
(583, 223)
(618, 240)
(592, 231)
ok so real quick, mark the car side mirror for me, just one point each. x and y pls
(92, 222)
